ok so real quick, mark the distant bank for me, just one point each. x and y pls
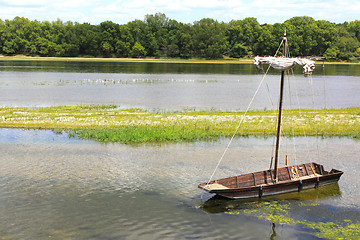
(144, 60)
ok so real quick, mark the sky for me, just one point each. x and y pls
(185, 11)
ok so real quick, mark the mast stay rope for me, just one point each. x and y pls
(243, 117)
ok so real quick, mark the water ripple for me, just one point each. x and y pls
(65, 188)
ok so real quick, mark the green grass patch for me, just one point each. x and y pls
(143, 134)
(108, 123)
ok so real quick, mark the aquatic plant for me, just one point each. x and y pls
(108, 123)
(279, 212)
(330, 230)
(57, 131)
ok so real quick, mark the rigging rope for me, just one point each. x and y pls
(300, 114)
(243, 117)
(291, 111)
(238, 126)
(325, 107)
(315, 125)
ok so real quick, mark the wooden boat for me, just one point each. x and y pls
(263, 183)
(278, 180)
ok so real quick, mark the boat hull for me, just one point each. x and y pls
(262, 184)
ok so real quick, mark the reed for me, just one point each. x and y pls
(108, 123)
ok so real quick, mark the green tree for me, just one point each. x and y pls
(88, 39)
(325, 38)
(140, 34)
(45, 47)
(138, 50)
(354, 29)
(160, 28)
(347, 47)
(109, 32)
(159, 36)
(209, 38)
(235, 38)
(2, 33)
(185, 41)
(331, 52)
(15, 36)
(124, 42)
(346, 42)
(302, 32)
(36, 32)
(245, 38)
(171, 48)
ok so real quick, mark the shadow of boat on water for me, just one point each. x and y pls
(218, 204)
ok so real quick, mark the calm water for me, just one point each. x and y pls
(55, 187)
(172, 86)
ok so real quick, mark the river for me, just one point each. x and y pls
(56, 187)
(172, 86)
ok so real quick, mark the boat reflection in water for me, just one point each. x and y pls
(218, 204)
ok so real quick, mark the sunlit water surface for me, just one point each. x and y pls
(173, 86)
(56, 187)
(52, 186)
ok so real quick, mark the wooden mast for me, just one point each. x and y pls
(280, 112)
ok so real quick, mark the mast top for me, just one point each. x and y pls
(285, 62)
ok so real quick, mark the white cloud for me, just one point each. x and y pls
(70, 4)
(23, 3)
(186, 11)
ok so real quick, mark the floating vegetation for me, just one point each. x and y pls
(109, 123)
(279, 212)
(111, 82)
(57, 131)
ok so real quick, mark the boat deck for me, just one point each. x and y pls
(218, 186)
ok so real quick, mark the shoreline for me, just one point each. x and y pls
(143, 60)
(106, 123)
(125, 60)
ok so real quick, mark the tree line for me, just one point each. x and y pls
(158, 36)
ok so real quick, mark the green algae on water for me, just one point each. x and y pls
(278, 212)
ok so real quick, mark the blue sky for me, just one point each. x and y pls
(185, 11)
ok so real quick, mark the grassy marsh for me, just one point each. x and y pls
(107, 123)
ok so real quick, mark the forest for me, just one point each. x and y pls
(158, 36)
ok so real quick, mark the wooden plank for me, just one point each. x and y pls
(289, 172)
(215, 186)
(272, 180)
(307, 173)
